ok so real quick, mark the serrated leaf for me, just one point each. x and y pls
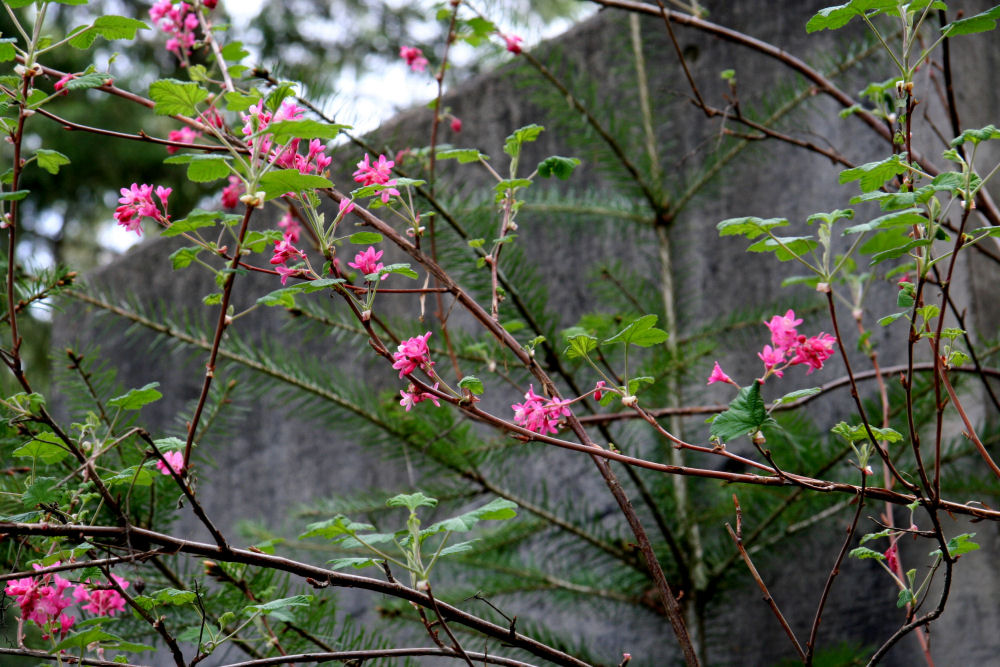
(913, 216)
(512, 145)
(874, 536)
(865, 553)
(982, 22)
(7, 50)
(81, 640)
(472, 383)
(889, 319)
(174, 97)
(109, 27)
(276, 183)
(958, 545)
(977, 136)
(365, 238)
(43, 490)
(637, 383)
(785, 247)
(463, 155)
(199, 218)
(173, 596)
(746, 414)
(905, 598)
(357, 563)
(580, 345)
(136, 398)
(132, 475)
(639, 332)
(793, 396)
(893, 253)
(86, 81)
(411, 501)
(202, 168)
(336, 528)
(832, 18)
(279, 609)
(50, 161)
(401, 269)
(182, 257)
(498, 509)
(46, 446)
(558, 166)
(750, 227)
(239, 102)
(285, 297)
(873, 175)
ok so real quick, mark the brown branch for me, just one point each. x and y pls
(360, 656)
(64, 658)
(156, 623)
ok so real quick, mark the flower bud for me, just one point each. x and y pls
(630, 401)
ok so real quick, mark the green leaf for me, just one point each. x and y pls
(173, 596)
(558, 166)
(498, 509)
(42, 491)
(202, 168)
(749, 227)
(136, 398)
(81, 640)
(639, 332)
(912, 216)
(109, 27)
(285, 297)
(16, 195)
(357, 563)
(176, 97)
(905, 598)
(831, 18)
(889, 319)
(746, 414)
(831, 217)
(86, 81)
(511, 184)
(785, 247)
(513, 143)
(199, 218)
(874, 174)
(7, 51)
(132, 475)
(981, 22)
(283, 130)
(864, 553)
(46, 446)
(182, 257)
(473, 384)
(50, 161)
(793, 396)
(402, 269)
(463, 155)
(857, 432)
(874, 536)
(279, 609)
(276, 183)
(239, 102)
(336, 528)
(958, 545)
(580, 345)
(977, 136)
(893, 253)
(411, 501)
(365, 238)
(637, 383)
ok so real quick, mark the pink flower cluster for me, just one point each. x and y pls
(287, 157)
(378, 173)
(231, 193)
(43, 600)
(178, 20)
(788, 348)
(540, 414)
(185, 135)
(411, 396)
(367, 262)
(414, 57)
(137, 203)
(175, 460)
(411, 354)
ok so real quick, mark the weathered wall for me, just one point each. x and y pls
(274, 461)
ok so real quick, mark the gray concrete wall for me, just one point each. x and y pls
(291, 461)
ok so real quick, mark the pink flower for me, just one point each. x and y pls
(367, 262)
(283, 251)
(599, 390)
(232, 192)
(771, 358)
(107, 601)
(513, 43)
(346, 206)
(814, 351)
(137, 203)
(456, 124)
(892, 557)
(286, 272)
(60, 85)
(185, 135)
(718, 375)
(175, 460)
(414, 57)
(374, 174)
(411, 396)
(388, 191)
(783, 333)
(539, 414)
(411, 354)
(179, 21)
(291, 227)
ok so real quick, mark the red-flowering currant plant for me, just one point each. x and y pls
(97, 571)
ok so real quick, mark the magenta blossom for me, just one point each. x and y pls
(411, 396)
(718, 375)
(814, 351)
(599, 390)
(179, 21)
(367, 262)
(783, 333)
(286, 272)
(137, 203)
(346, 206)
(456, 124)
(414, 57)
(284, 251)
(175, 460)
(892, 557)
(513, 43)
(374, 174)
(185, 135)
(60, 85)
(103, 600)
(772, 358)
(232, 192)
(411, 354)
(291, 226)
(539, 414)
